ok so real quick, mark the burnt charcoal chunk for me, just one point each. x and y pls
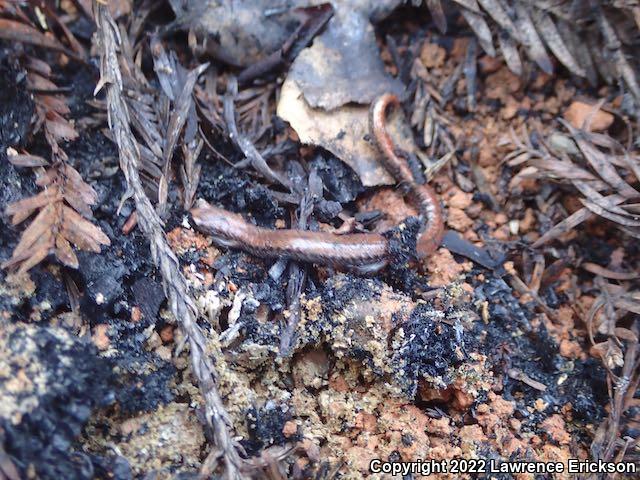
(261, 202)
(50, 291)
(402, 247)
(41, 420)
(102, 279)
(343, 289)
(16, 106)
(240, 268)
(265, 427)
(260, 333)
(234, 190)
(145, 393)
(269, 293)
(148, 295)
(503, 306)
(587, 389)
(113, 467)
(341, 182)
(15, 184)
(328, 210)
(430, 348)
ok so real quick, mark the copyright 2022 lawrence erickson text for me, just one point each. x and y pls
(489, 466)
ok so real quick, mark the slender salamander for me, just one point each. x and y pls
(363, 253)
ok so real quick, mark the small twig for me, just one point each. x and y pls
(470, 73)
(517, 374)
(243, 143)
(295, 286)
(297, 272)
(611, 426)
(522, 288)
(175, 285)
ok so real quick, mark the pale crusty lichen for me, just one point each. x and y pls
(17, 287)
(23, 378)
(167, 438)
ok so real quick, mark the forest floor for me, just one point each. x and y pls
(496, 347)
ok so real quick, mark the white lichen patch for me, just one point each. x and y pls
(168, 438)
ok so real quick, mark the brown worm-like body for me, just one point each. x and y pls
(360, 252)
(430, 237)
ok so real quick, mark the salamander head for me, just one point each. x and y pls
(226, 228)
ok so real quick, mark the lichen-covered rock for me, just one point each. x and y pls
(170, 437)
(49, 383)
